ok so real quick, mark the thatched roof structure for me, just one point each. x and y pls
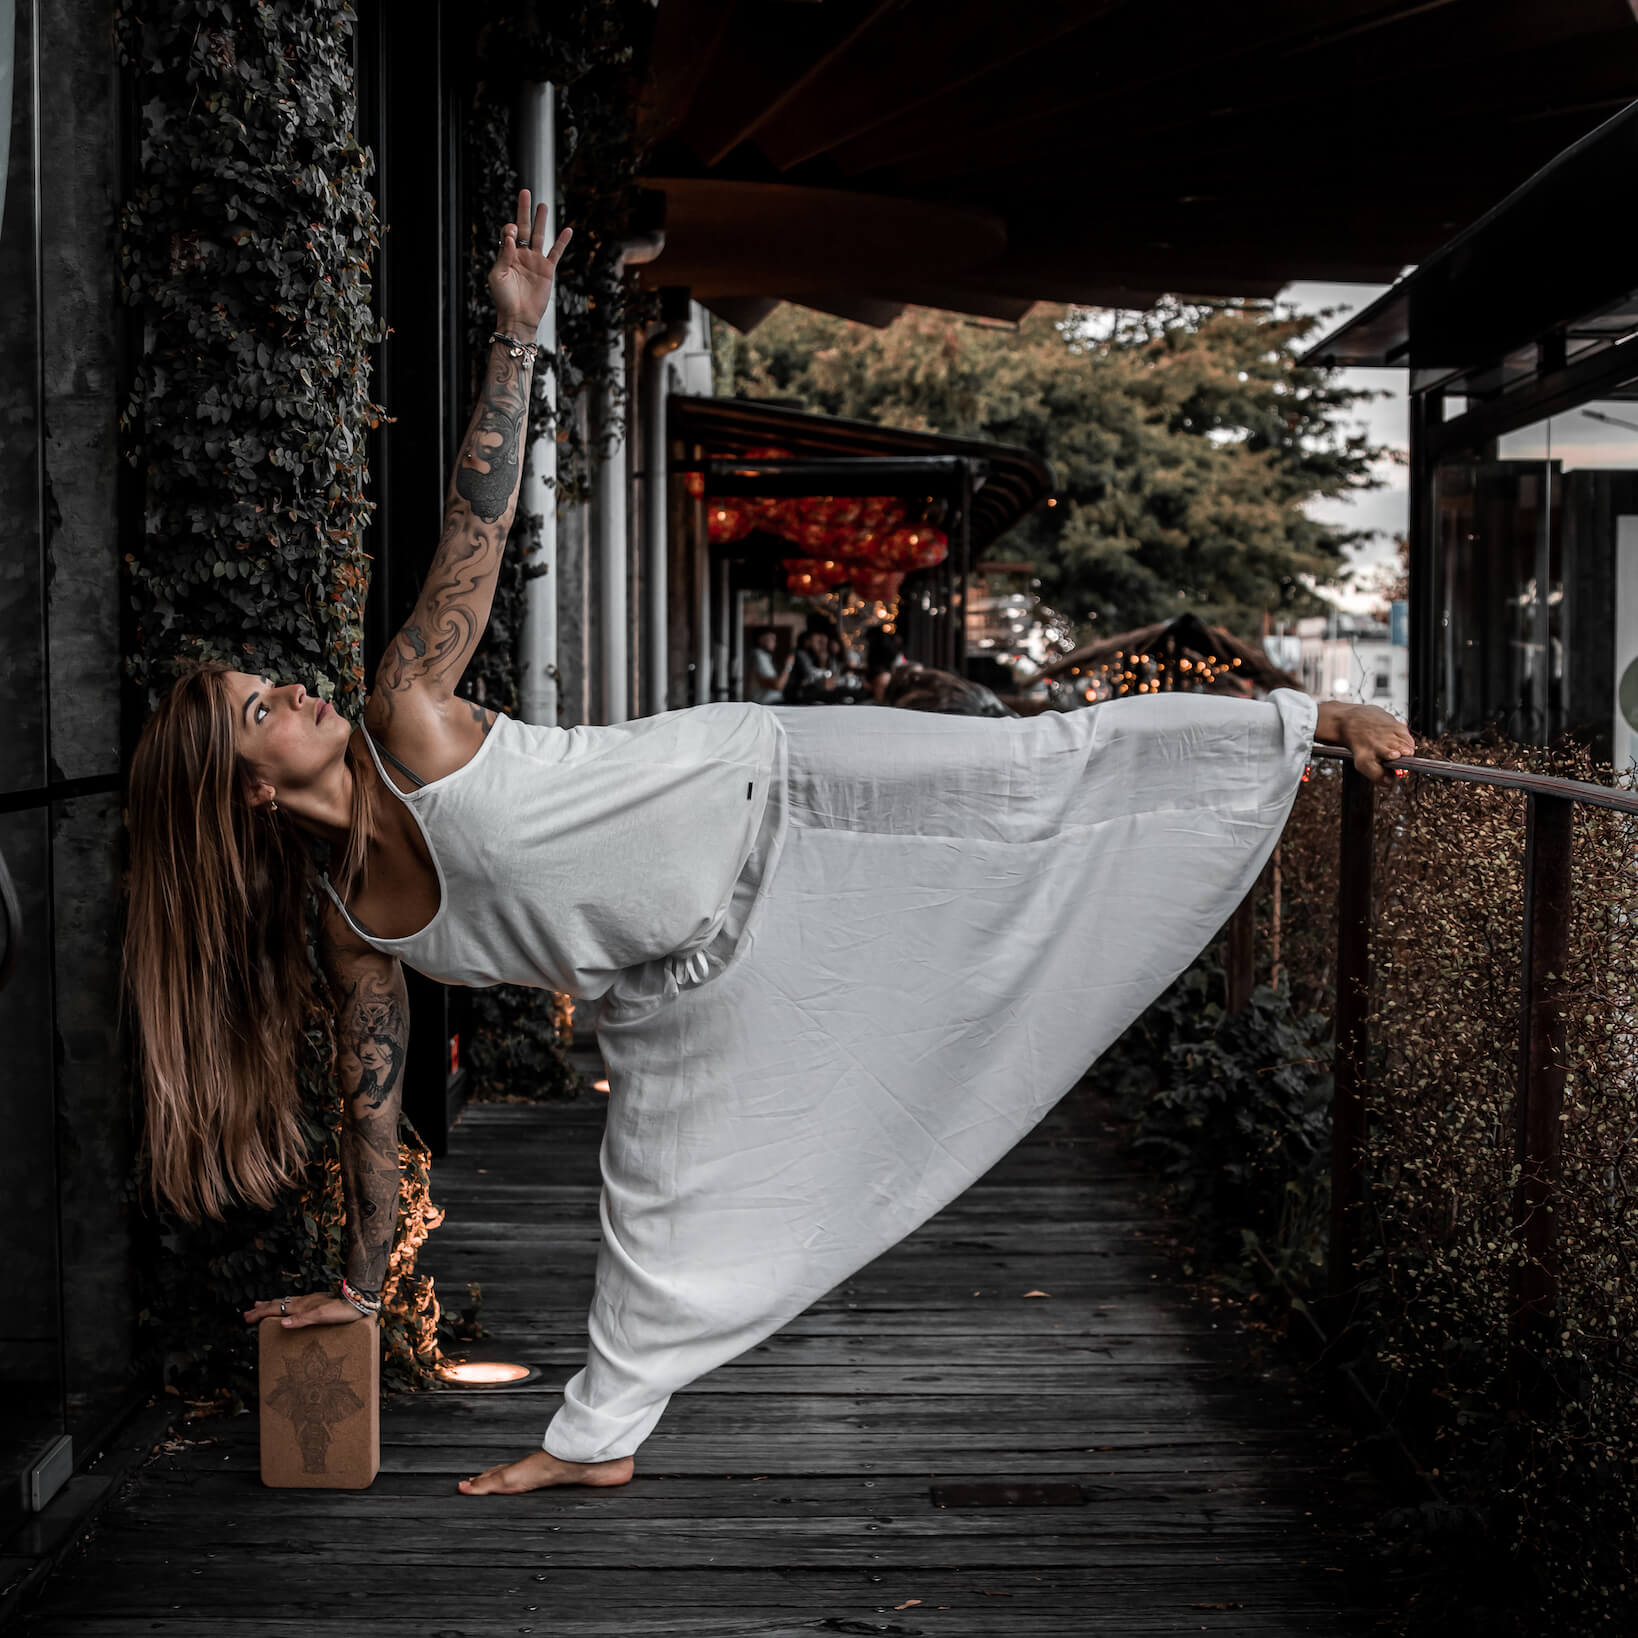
(1187, 637)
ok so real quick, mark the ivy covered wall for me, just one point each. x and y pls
(246, 251)
(245, 255)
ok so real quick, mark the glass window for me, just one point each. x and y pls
(31, 1368)
(1538, 581)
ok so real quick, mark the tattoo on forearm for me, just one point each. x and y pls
(486, 475)
(372, 1034)
(454, 603)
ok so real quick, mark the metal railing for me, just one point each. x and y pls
(1549, 827)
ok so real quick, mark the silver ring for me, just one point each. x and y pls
(284, 1305)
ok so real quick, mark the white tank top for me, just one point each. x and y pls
(566, 855)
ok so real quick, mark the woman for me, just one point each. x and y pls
(842, 959)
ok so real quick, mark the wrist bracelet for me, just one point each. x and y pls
(365, 1305)
(517, 349)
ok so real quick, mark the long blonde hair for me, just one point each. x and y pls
(215, 961)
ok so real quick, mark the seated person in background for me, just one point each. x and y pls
(768, 676)
(811, 678)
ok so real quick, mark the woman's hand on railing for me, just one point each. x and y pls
(318, 1309)
(520, 282)
(1368, 731)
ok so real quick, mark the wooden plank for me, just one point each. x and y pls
(777, 1382)
(1041, 1356)
(946, 1457)
(786, 1492)
(1044, 1615)
(182, 1494)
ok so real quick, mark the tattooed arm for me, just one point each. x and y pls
(428, 657)
(372, 1035)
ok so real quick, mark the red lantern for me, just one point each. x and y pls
(916, 548)
(728, 520)
(816, 574)
(877, 585)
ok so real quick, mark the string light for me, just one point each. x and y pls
(1144, 673)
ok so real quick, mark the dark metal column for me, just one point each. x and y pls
(1353, 1000)
(1427, 412)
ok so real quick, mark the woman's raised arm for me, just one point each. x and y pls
(431, 652)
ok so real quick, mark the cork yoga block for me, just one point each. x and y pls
(320, 1393)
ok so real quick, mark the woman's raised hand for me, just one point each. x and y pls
(521, 279)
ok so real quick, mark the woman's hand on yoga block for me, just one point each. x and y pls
(318, 1309)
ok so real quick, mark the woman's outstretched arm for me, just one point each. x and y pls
(432, 651)
(372, 1035)
(372, 1038)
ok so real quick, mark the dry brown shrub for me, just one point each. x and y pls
(1442, 1252)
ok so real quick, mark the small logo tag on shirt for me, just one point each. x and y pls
(748, 784)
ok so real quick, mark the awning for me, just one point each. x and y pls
(977, 155)
(1554, 257)
(863, 458)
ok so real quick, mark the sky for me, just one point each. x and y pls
(1383, 510)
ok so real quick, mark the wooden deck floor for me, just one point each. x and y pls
(788, 1493)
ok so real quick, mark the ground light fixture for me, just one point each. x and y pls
(486, 1373)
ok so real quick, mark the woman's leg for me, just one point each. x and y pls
(963, 915)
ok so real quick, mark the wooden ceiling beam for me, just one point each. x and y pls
(765, 238)
(857, 309)
(688, 35)
(1501, 78)
(1184, 44)
(925, 50)
(743, 313)
(1500, 93)
(955, 297)
(770, 60)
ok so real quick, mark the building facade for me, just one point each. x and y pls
(1520, 337)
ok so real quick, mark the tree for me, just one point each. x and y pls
(1184, 442)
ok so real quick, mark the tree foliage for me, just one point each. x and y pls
(1184, 443)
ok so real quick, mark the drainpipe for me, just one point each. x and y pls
(656, 535)
(538, 675)
(609, 523)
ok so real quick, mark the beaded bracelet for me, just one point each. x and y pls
(517, 349)
(365, 1305)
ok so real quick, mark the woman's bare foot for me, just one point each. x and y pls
(539, 1469)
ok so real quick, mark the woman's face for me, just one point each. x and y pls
(289, 737)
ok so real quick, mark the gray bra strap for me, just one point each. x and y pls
(393, 760)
